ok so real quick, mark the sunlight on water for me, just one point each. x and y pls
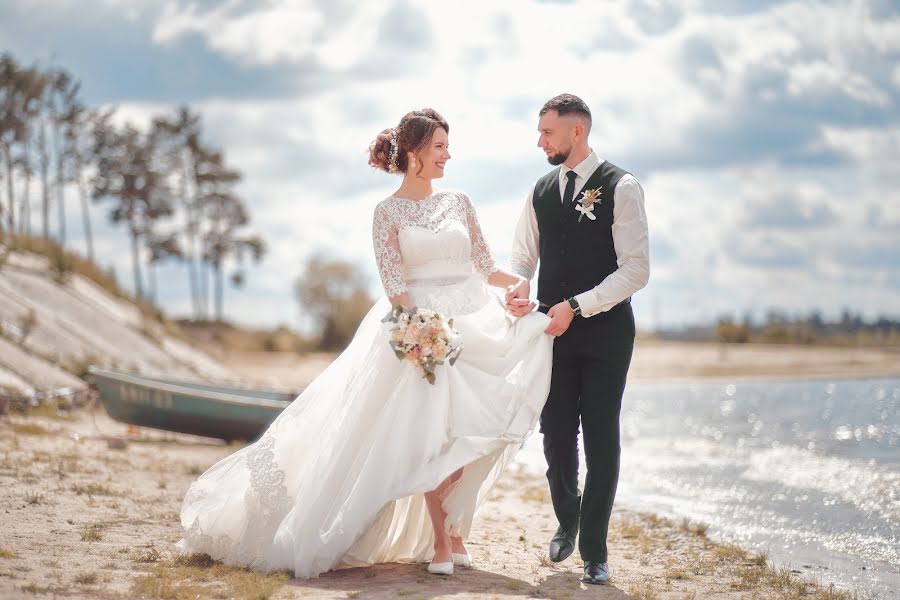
(807, 471)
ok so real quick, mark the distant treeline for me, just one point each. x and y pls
(173, 192)
(849, 329)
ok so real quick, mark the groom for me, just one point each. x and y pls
(585, 222)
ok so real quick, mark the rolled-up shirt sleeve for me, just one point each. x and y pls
(631, 241)
(523, 259)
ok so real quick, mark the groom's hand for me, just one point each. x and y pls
(517, 301)
(561, 316)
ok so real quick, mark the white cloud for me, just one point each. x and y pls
(723, 117)
(271, 33)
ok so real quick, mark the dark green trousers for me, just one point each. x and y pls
(590, 364)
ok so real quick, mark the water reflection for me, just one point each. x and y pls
(807, 471)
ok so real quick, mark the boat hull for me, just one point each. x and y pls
(223, 412)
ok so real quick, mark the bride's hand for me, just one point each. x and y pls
(517, 301)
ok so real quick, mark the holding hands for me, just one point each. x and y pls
(517, 301)
(518, 304)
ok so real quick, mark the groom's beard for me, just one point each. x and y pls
(558, 158)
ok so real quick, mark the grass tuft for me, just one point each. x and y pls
(92, 533)
(88, 578)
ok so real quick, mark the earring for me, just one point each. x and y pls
(413, 163)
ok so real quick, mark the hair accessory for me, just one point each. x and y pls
(393, 153)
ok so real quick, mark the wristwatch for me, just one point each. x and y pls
(576, 308)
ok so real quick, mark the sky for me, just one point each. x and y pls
(766, 135)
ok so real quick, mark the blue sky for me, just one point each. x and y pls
(766, 135)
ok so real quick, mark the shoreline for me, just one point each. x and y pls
(653, 362)
(89, 518)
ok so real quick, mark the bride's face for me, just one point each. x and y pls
(557, 135)
(434, 157)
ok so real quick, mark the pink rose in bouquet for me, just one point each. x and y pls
(423, 337)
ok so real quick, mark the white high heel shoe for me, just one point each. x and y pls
(461, 560)
(444, 568)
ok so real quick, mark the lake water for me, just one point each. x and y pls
(808, 471)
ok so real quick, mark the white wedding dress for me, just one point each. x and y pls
(338, 478)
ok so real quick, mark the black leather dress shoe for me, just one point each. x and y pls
(562, 545)
(595, 572)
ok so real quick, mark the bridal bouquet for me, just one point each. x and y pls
(423, 337)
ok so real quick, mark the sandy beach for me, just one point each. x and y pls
(89, 509)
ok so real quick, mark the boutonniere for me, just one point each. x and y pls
(586, 203)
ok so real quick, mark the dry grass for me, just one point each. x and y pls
(644, 590)
(63, 261)
(544, 560)
(698, 558)
(34, 498)
(93, 489)
(760, 559)
(87, 578)
(30, 429)
(536, 494)
(147, 555)
(630, 530)
(33, 588)
(227, 336)
(676, 572)
(197, 575)
(698, 529)
(92, 533)
(6, 553)
(49, 409)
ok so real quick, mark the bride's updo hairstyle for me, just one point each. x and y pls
(413, 134)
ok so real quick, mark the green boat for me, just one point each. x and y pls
(225, 412)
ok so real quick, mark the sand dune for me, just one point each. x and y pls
(80, 323)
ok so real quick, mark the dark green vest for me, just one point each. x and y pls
(574, 256)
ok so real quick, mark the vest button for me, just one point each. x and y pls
(563, 252)
(563, 236)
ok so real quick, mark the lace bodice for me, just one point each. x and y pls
(425, 240)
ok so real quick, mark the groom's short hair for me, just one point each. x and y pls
(568, 104)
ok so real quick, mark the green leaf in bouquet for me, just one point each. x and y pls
(454, 354)
(430, 377)
(395, 346)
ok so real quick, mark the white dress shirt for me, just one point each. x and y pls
(629, 232)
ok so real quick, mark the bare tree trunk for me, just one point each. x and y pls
(189, 235)
(10, 188)
(220, 291)
(45, 180)
(204, 286)
(193, 275)
(85, 210)
(60, 187)
(25, 208)
(151, 282)
(136, 265)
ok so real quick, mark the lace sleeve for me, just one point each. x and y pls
(387, 252)
(481, 253)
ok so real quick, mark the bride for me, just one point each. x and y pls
(371, 463)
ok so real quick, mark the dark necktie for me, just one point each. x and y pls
(570, 188)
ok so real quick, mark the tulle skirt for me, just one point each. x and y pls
(338, 478)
